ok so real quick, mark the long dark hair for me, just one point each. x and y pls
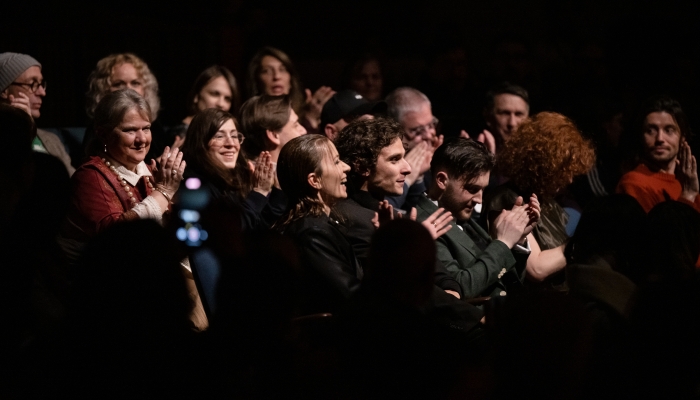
(196, 149)
(300, 157)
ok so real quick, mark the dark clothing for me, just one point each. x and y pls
(257, 211)
(356, 213)
(481, 266)
(409, 197)
(331, 272)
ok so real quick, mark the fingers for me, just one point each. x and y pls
(375, 220)
(464, 134)
(308, 95)
(413, 214)
(519, 201)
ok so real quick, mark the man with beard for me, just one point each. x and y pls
(483, 264)
(668, 170)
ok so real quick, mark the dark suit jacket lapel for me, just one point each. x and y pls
(456, 234)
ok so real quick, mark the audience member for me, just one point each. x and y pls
(668, 170)
(364, 76)
(215, 87)
(22, 85)
(115, 184)
(345, 107)
(268, 122)
(271, 72)
(412, 110)
(128, 327)
(482, 264)
(313, 177)
(213, 148)
(374, 151)
(507, 106)
(390, 346)
(124, 71)
(543, 156)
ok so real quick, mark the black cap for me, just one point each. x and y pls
(348, 103)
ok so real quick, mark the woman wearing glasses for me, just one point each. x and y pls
(213, 148)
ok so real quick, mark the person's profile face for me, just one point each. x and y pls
(333, 176)
(124, 76)
(460, 197)
(291, 129)
(215, 94)
(389, 174)
(274, 77)
(508, 112)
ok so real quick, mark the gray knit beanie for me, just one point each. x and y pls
(13, 65)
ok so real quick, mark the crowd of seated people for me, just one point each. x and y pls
(336, 245)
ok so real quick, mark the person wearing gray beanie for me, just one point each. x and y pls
(21, 82)
(23, 86)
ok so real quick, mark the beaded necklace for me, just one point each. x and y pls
(125, 184)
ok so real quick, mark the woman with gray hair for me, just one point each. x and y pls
(115, 184)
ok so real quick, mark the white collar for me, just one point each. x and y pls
(130, 176)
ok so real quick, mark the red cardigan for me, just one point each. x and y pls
(98, 200)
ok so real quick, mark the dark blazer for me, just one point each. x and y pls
(476, 271)
(330, 271)
(355, 213)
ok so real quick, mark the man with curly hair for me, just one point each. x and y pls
(668, 170)
(375, 153)
(22, 85)
(483, 264)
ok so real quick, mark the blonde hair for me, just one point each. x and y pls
(99, 82)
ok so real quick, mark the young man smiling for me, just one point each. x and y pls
(669, 170)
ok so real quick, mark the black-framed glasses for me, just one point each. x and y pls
(34, 86)
(419, 130)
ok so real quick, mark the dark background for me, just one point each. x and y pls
(576, 57)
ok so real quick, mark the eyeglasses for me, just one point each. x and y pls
(34, 86)
(422, 129)
(220, 138)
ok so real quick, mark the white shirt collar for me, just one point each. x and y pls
(132, 177)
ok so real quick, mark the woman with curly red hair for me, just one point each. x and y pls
(542, 157)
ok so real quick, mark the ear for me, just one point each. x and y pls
(364, 172)
(4, 94)
(273, 137)
(196, 98)
(442, 180)
(314, 181)
(331, 132)
(487, 118)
